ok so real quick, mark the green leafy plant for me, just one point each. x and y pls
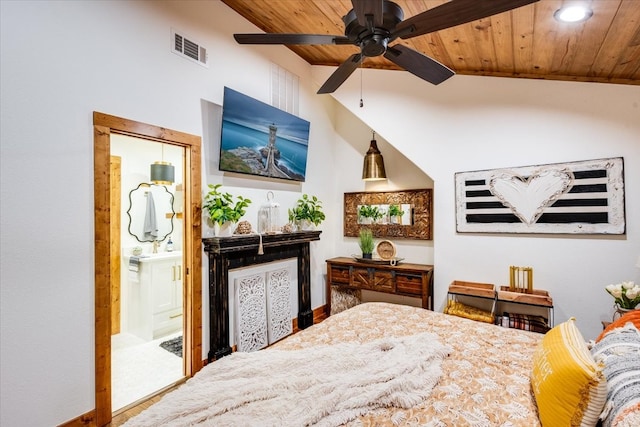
(369, 211)
(394, 210)
(365, 241)
(221, 206)
(307, 208)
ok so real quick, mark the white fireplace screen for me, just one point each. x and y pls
(261, 304)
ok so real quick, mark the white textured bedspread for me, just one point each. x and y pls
(485, 379)
(322, 385)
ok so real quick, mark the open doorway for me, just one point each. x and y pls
(147, 268)
(105, 127)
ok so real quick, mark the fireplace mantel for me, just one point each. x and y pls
(228, 253)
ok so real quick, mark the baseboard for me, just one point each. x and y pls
(318, 316)
(85, 420)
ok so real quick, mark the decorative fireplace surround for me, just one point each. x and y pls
(228, 253)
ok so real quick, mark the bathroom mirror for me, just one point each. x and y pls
(373, 210)
(150, 212)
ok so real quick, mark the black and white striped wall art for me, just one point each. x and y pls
(584, 197)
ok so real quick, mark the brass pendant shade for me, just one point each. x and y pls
(373, 169)
(162, 173)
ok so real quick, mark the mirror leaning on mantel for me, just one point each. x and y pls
(371, 210)
(150, 212)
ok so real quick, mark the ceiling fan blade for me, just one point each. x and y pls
(341, 74)
(418, 64)
(453, 13)
(270, 38)
(368, 7)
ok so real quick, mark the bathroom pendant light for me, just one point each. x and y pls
(373, 168)
(162, 173)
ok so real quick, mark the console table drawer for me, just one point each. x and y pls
(409, 284)
(370, 278)
(382, 281)
(339, 274)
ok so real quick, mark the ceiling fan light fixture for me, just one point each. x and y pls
(573, 14)
(374, 25)
(373, 167)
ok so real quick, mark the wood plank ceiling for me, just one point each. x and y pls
(526, 42)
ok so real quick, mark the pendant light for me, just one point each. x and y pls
(373, 168)
(162, 173)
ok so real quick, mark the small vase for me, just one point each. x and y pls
(619, 312)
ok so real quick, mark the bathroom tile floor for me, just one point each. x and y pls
(140, 368)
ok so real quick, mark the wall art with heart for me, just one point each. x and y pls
(584, 197)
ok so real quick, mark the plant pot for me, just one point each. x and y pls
(224, 230)
(622, 311)
(367, 256)
(306, 225)
(395, 219)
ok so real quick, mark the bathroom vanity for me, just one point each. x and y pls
(155, 295)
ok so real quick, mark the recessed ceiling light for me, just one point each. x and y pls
(573, 14)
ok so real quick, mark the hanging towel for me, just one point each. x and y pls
(150, 228)
(134, 268)
(134, 263)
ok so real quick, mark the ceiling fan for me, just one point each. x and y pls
(373, 24)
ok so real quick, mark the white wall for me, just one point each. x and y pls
(476, 123)
(63, 60)
(60, 62)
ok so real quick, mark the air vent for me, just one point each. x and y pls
(284, 89)
(187, 48)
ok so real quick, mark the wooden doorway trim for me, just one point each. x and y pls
(103, 126)
(115, 198)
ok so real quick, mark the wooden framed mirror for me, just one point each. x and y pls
(413, 211)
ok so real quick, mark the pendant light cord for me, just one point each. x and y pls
(361, 60)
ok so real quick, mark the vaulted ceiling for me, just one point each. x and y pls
(526, 42)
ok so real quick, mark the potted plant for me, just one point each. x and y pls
(307, 211)
(395, 214)
(223, 210)
(626, 296)
(369, 214)
(365, 241)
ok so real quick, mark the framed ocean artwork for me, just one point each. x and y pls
(259, 139)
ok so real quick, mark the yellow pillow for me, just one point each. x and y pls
(569, 386)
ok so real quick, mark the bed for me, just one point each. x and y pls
(485, 377)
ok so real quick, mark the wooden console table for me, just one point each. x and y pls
(227, 253)
(414, 280)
